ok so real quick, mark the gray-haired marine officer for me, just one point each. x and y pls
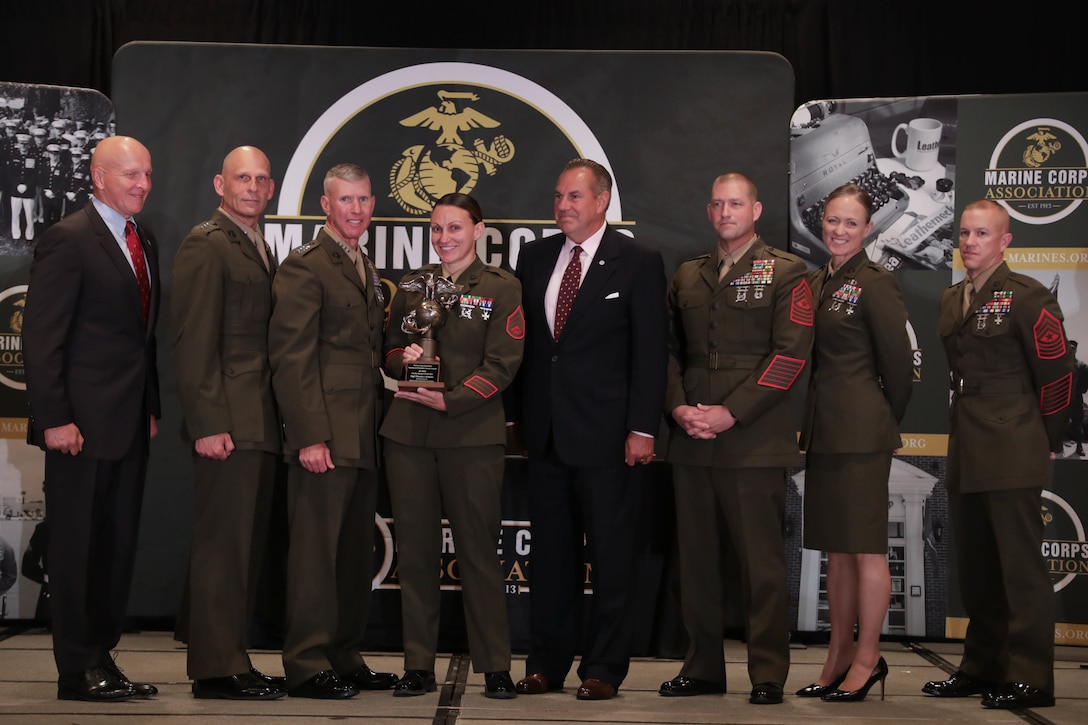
(325, 342)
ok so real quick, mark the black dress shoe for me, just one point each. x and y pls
(958, 685)
(1016, 696)
(499, 686)
(142, 689)
(325, 685)
(273, 680)
(681, 686)
(815, 690)
(365, 678)
(97, 684)
(244, 686)
(879, 674)
(766, 693)
(415, 682)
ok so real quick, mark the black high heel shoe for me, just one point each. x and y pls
(815, 690)
(880, 672)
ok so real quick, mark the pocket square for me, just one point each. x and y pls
(613, 296)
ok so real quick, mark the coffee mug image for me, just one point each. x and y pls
(923, 143)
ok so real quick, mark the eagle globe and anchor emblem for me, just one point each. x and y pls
(427, 172)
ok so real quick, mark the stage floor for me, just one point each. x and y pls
(28, 692)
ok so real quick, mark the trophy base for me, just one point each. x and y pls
(423, 373)
(413, 384)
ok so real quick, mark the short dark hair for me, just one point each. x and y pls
(463, 201)
(601, 176)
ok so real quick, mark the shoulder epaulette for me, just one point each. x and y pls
(499, 272)
(206, 228)
(306, 248)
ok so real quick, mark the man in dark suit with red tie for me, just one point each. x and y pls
(590, 395)
(89, 346)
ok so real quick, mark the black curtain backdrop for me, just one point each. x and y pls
(838, 48)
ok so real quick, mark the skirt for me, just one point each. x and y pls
(846, 502)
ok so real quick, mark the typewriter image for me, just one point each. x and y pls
(825, 154)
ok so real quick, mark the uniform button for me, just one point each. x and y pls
(713, 344)
(715, 305)
(713, 324)
(554, 358)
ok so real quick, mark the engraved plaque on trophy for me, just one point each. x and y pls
(424, 319)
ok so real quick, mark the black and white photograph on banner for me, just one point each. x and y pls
(22, 508)
(48, 136)
(902, 151)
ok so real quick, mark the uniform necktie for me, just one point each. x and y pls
(968, 296)
(139, 264)
(568, 290)
(369, 274)
(723, 267)
(262, 250)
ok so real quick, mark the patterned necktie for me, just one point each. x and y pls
(139, 264)
(568, 290)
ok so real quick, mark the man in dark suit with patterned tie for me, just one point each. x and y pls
(590, 395)
(92, 383)
(221, 306)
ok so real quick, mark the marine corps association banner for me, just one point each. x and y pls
(923, 159)
(46, 135)
(497, 124)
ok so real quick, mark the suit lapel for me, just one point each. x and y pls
(601, 269)
(238, 237)
(984, 295)
(846, 272)
(151, 257)
(709, 271)
(743, 265)
(109, 245)
(340, 257)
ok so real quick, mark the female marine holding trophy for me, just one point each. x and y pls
(455, 341)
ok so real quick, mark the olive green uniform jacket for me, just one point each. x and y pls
(480, 347)
(862, 374)
(741, 343)
(325, 342)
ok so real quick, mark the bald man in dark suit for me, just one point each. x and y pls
(92, 383)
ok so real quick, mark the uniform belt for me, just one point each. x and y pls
(722, 361)
(989, 386)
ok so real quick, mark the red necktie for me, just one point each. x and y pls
(139, 263)
(568, 290)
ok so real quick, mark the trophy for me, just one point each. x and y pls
(439, 295)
